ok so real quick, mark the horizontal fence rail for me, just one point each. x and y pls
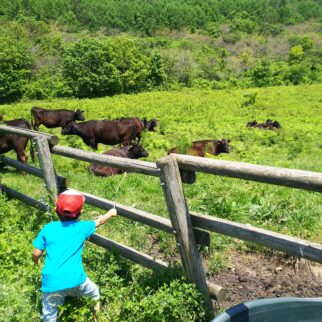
(300, 179)
(24, 198)
(129, 253)
(289, 245)
(143, 167)
(146, 218)
(61, 181)
(52, 139)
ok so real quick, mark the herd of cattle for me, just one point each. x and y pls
(126, 132)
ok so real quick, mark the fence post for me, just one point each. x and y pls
(47, 167)
(180, 219)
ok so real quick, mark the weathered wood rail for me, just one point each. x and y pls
(188, 228)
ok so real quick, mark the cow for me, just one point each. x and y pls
(140, 125)
(134, 151)
(16, 142)
(150, 125)
(54, 118)
(102, 131)
(270, 125)
(200, 148)
(1, 117)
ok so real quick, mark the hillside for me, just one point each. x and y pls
(55, 49)
(183, 116)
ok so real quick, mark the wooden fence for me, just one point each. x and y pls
(188, 228)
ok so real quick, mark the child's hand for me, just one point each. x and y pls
(113, 212)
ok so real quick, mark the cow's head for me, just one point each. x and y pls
(251, 124)
(137, 151)
(223, 146)
(276, 124)
(78, 115)
(151, 125)
(70, 128)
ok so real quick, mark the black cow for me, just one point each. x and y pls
(54, 118)
(16, 142)
(135, 151)
(200, 148)
(103, 131)
(150, 125)
(270, 125)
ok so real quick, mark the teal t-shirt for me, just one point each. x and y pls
(63, 242)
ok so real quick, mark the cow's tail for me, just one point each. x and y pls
(32, 150)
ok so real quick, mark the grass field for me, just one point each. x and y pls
(183, 116)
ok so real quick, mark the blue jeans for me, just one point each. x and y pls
(51, 300)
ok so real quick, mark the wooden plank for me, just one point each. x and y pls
(52, 139)
(47, 167)
(300, 179)
(141, 216)
(148, 168)
(164, 224)
(129, 253)
(24, 198)
(61, 181)
(286, 244)
(216, 291)
(180, 219)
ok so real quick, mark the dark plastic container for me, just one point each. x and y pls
(288, 309)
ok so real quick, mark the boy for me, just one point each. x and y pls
(63, 273)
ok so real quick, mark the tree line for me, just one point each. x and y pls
(43, 55)
(148, 16)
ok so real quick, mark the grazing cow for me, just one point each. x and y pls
(103, 131)
(1, 117)
(15, 142)
(54, 118)
(140, 125)
(135, 151)
(150, 125)
(270, 125)
(200, 148)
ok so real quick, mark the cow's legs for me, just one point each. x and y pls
(22, 156)
(91, 142)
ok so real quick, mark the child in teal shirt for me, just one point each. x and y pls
(63, 273)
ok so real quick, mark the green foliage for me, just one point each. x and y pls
(232, 37)
(89, 70)
(128, 292)
(15, 64)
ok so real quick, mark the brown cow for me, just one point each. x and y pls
(15, 142)
(200, 148)
(54, 118)
(270, 125)
(103, 131)
(135, 151)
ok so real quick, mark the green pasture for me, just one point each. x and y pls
(183, 116)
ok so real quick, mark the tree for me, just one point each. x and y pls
(15, 67)
(89, 69)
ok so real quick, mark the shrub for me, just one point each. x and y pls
(89, 69)
(15, 67)
(231, 38)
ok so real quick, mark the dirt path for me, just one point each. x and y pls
(252, 276)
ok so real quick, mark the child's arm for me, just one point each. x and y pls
(36, 255)
(103, 219)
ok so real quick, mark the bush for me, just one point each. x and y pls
(231, 38)
(15, 66)
(89, 69)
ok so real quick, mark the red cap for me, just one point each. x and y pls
(70, 203)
